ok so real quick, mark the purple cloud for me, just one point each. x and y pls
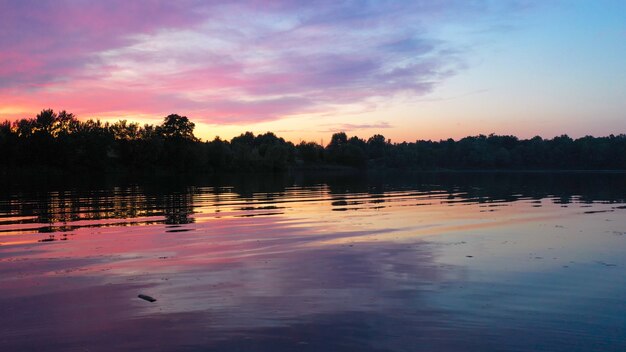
(347, 127)
(45, 41)
(224, 62)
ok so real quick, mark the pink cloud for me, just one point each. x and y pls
(44, 41)
(220, 62)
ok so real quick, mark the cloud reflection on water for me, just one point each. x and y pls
(408, 266)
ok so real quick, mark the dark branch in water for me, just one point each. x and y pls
(147, 298)
(61, 141)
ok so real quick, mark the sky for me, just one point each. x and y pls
(306, 69)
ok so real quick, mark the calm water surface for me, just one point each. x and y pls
(426, 262)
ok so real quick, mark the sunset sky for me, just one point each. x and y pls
(305, 69)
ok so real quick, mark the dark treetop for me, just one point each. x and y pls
(60, 141)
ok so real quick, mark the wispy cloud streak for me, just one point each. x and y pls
(230, 62)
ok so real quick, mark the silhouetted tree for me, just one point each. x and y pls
(60, 140)
(376, 146)
(338, 139)
(47, 122)
(176, 126)
(310, 152)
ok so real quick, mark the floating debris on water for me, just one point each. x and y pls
(147, 298)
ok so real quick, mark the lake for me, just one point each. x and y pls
(319, 262)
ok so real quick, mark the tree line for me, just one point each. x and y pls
(61, 141)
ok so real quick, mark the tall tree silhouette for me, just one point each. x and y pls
(176, 126)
